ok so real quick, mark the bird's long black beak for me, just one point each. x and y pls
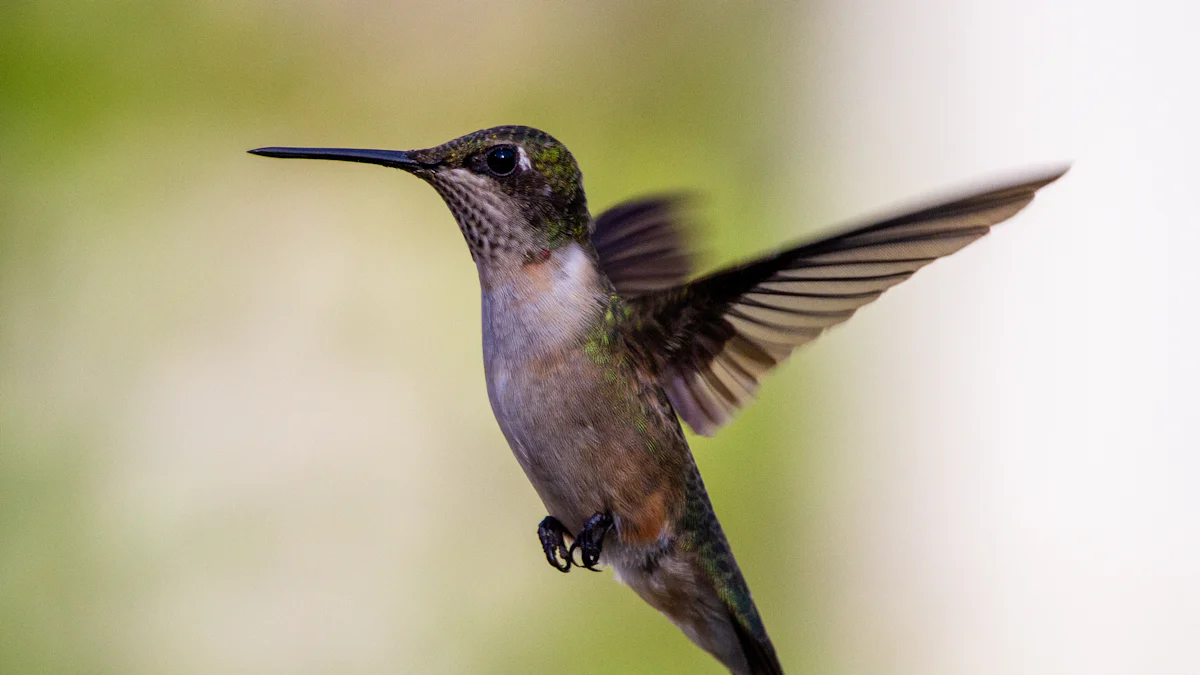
(398, 159)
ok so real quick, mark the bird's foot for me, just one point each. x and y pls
(551, 532)
(590, 541)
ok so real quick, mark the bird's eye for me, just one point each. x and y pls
(502, 160)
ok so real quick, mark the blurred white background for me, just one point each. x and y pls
(1020, 494)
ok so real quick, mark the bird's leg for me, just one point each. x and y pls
(590, 540)
(551, 532)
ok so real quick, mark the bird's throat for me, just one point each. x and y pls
(543, 305)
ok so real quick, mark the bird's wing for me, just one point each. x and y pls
(642, 244)
(712, 339)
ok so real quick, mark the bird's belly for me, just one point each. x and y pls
(561, 433)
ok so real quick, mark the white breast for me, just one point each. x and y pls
(543, 308)
(533, 324)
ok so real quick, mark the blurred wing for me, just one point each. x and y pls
(715, 337)
(642, 244)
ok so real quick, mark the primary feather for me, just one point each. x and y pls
(715, 337)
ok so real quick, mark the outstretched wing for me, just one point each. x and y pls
(715, 337)
(642, 244)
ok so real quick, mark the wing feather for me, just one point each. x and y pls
(642, 245)
(714, 338)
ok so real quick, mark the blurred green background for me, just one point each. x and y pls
(243, 424)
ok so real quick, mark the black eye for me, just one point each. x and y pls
(502, 160)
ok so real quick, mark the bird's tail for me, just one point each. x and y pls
(715, 558)
(758, 650)
(696, 583)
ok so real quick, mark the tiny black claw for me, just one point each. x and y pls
(590, 541)
(551, 532)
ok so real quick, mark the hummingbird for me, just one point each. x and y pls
(597, 344)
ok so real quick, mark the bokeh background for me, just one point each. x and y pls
(243, 427)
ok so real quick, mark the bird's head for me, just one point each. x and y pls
(515, 191)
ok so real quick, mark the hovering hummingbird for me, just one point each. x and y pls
(596, 345)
